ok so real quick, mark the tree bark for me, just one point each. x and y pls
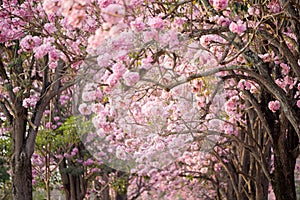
(74, 184)
(21, 177)
(20, 162)
(285, 141)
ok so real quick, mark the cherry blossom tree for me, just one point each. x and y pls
(162, 79)
(159, 46)
(37, 60)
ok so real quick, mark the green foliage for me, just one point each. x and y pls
(61, 137)
(5, 147)
(4, 176)
(120, 184)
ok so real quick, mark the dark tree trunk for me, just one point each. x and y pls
(21, 177)
(21, 161)
(284, 179)
(283, 176)
(74, 183)
(285, 142)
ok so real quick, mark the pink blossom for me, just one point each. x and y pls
(88, 162)
(103, 60)
(156, 22)
(119, 69)
(253, 11)
(97, 108)
(88, 96)
(30, 102)
(53, 65)
(113, 13)
(204, 170)
(138, 25)
(285, 68)
(150, 35)
(274, 6)
(105, 3)
(178, 22)
(131, 78)
(112, 80)
(16, 89)
(42, 50)
(29, 42)
(96, 40)
(66, 155)
(50, 28)
(120, 152)
(239, 27)
(94, 170)
(274, 105)
(51, 6)
(220, 4)
(84, 109)
(146, 63)
(54, 54)
(298, 104)
(160, 146)
(223, 21)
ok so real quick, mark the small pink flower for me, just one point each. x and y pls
(146, 63)
(156, 22)
(239, 27)
(53, 126)
(298, 103)
(150, 35)
(66, 155)
(160, 146)
(204, 170)
(253, 11)
(112, 80)
(113, 13)
(95, 170)
(88, 162)
(53, 65)
(119, 69)
(50, 28)
(16, 89)
(56, 118)
(131, 78)
(138, 25)
(285, 68)
(42, 50)
(178, 22)
(29, 42)
(223, 21)
(274, 105)
(220, 4)
(75, 150)
(84, 109)
(105, 3)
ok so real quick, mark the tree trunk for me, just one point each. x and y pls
(74, 184)
(21, 161)
(285, 141)
(21, 177)
(283, 176)
(284, 182)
